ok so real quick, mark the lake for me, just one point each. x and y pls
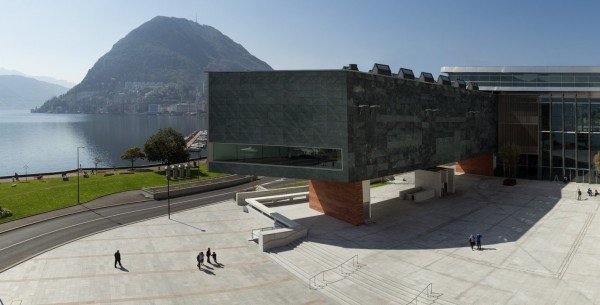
(48, 142)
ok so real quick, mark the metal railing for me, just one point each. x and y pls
(255, 232)
(313, 279)
(428, 290)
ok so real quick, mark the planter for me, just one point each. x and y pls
(509, 182)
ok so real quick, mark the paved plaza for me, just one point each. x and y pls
(540, 246)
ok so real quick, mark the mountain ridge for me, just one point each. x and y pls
(160, 62)
(22, 92)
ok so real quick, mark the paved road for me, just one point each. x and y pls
(21, 244)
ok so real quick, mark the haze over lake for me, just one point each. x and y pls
(48, 142)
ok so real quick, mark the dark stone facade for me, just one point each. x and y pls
(383, 125)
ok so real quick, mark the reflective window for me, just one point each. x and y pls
(583, 112)
(557, 114)
(569, 114)
(570, 151)
(583, 151)
(557, 146)
(545, 149)
(278, 155)
(595, 114)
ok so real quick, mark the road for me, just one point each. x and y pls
(23, 243)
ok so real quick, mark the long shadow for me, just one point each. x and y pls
(502, 214)
(207, 271)
(124, 269)
(101, 216)
(191, 226)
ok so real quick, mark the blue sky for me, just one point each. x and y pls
(63, 39)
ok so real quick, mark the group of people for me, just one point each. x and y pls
(589, 192)
(475, 240)
(209, 254)
(199, 258)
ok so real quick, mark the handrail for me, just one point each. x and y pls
(428, 289)
(260, 230)
(341, 266)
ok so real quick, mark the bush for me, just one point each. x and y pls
(5, 213)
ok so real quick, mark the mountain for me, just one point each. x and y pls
(47, 79)
(160, 62)
(20, 92)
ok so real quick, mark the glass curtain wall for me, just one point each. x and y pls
(569, 136)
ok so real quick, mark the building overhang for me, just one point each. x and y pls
(520, 69)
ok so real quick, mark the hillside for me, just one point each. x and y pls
(160, 62)
(20, 92)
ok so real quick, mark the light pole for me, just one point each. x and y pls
(26, 167)
(78, 169)
(168, 192)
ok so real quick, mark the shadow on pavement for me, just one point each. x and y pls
(191, 226)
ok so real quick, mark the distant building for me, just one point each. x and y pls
(153, 108)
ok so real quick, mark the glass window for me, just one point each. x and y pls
(570, 150)
(278, 155)
(554, 78)
(557, 112)
(569, 114)
(545, 149)
(581, 78)
(568, 78)
(557, 146)
(545, 119)
(595, 115)
(583, 151)
(583, 112)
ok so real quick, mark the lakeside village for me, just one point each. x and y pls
(152, 98)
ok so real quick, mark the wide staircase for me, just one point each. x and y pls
(347, 279)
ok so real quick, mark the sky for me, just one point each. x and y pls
(63, 39)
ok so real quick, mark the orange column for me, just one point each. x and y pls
(482, 165)
(343, 201)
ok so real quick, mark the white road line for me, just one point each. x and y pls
(89, 221)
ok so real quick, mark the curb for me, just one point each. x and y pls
(98, 232)
(72, 213)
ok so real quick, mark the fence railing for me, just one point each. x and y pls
(255, 232)
(321, 274)
(428, 291)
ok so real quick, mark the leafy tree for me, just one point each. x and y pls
(132, 154)
(509, 155)
(167, 146)
(597, 162)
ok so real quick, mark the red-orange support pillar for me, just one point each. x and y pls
(482, 165)
(343, 201)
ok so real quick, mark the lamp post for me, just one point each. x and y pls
(25, 167)
(78, 170)
(168, 192)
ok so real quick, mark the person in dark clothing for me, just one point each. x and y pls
(479, 241)
(472, 241)
(208, 255)
(118, 259)
(596, 193)
(214, 257)
(578, 194)
(200, 259)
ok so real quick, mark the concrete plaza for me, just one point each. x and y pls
(539, 247)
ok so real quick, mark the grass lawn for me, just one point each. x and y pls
(38, 196)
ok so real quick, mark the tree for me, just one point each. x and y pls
(509, 155)
(597, 162)
(132, 154)
(167, 146)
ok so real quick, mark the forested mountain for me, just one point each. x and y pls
(161, 62)
(20, 92)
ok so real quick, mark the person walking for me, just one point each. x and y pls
(118, 259)
(479, 242)
(208, 255)
(214, 257)
(200, 259)
(578, 194)
(472, 241)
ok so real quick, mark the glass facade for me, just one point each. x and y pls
(530, 79)
(325, 158)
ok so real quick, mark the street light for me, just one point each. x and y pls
(78, 170)
(25, 167)
(168, 192)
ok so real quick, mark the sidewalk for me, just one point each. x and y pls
(106, 201)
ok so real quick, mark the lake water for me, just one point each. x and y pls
(48, 142)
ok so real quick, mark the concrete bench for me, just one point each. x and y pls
(423, 195)
(407, 193)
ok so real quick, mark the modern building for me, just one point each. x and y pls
(342, 128)
(551, 113)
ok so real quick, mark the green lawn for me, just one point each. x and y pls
(38, 196)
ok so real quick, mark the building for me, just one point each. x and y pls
(551, 113)
(341, 128)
